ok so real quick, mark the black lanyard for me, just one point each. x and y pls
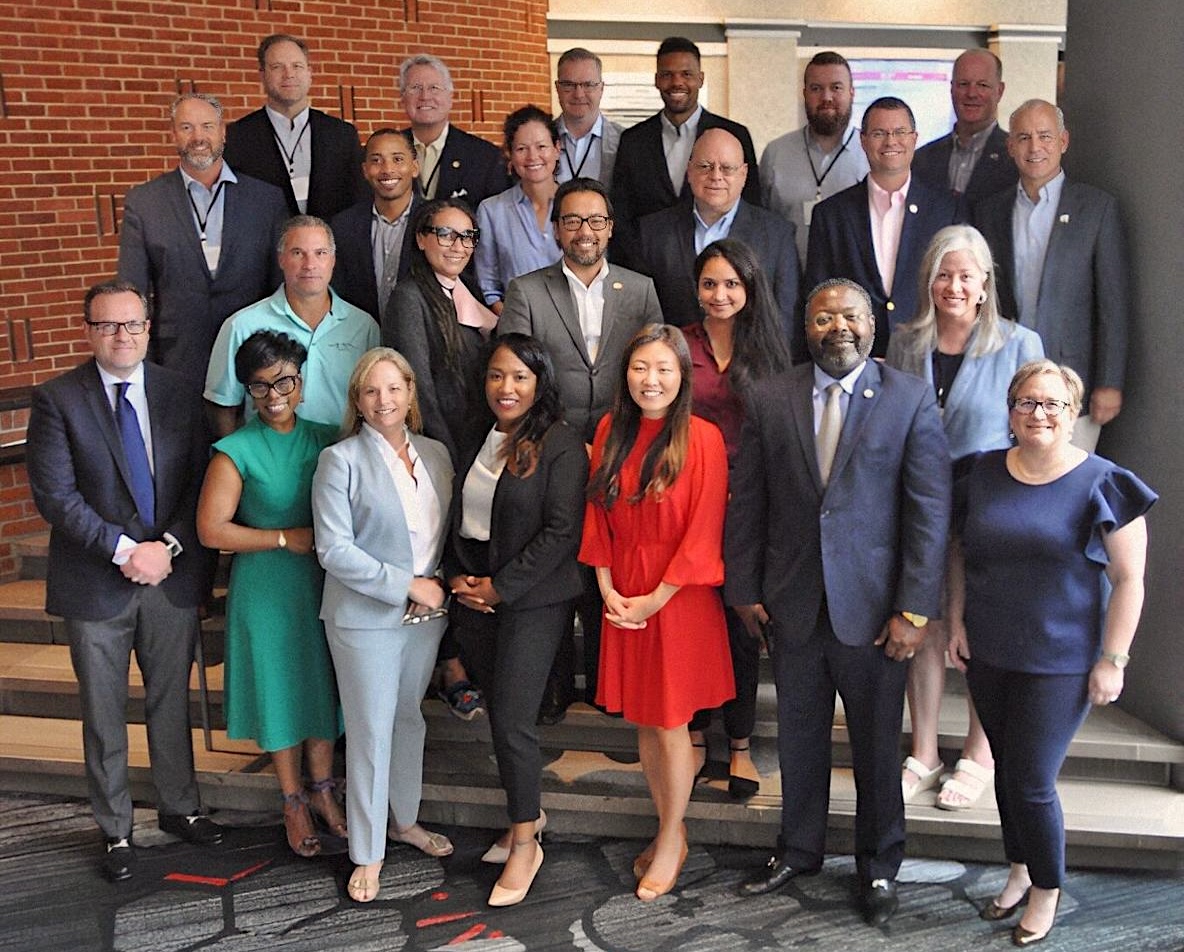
(809, 158)
(291, 158)
(575, 172)
(201, 222)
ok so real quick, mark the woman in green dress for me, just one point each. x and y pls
(256, 503)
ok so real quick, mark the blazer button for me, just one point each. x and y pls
(891, 306)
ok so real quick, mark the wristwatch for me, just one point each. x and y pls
(1117, 659)
(282, 541)
(172, 544)
(917, 621)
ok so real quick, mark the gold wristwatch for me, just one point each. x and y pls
(917, 621)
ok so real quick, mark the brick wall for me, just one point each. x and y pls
(84, 91)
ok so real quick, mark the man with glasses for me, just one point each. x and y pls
(876, 232)
(334, 332)
(671, 239)
(452, 163)
(589, 140)
(585, 311)
(116, 454)
(1061, 263)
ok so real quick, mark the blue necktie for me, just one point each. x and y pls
(136, 454)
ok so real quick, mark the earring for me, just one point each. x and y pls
(982, 297)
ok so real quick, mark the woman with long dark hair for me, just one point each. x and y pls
(653, 530)
(511, 564)
(739, 340)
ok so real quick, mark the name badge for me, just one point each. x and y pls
(212, 253)
(808, 209)
(300, 189)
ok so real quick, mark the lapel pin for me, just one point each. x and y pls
(617, 285)
(1064, 219)
(913, 209)
(456, 163)
(869, 393)
(994, 156)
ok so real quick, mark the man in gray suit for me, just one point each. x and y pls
(200, 240)
(116, 454)
(589, 139)
(585, 311)
(1061, 262)
(673, 237)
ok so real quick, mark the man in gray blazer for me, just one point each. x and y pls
(585, 311)
(672, 238)
(1061, 262)
(199, 241)
(588, 138)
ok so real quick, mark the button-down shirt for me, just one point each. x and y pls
(417, 495)
(887, 214)
(386, 244)
(589, 301)
(963, 158)
(208, 204)
(1031, 227)
(677, 142)
(295, 141)
(705, 234)
(512, 244)
(581, 157)
(822, 380)
(137, 397)
(429, 163)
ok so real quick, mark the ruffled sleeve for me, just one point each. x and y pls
(1118, 497)
(596, 546)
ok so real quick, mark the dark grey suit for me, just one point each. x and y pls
(82, 487)
(993, 171)
(668, 256)
(1085, 297)
(353, 275)
(160, 253)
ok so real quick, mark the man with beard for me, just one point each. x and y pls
(585, 311)
(199, 241)
(835, 546)
(804, 166)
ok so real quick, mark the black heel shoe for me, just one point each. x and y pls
(1025, 937)
(741, 788)
(993, 912)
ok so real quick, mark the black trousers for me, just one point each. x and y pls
(740, 712)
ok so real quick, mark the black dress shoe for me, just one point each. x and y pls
(553, 707)
(198, 829)
(119, 860)
(879, 901)
(777, 873)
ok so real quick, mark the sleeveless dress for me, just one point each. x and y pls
(280, 686)
(680, 663)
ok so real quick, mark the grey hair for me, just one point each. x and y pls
(1028, 104)
(423, 59)
(211, 101)
(305, 221)
(843, 283)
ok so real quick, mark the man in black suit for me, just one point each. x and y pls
(876, 232)
(835, 546)
(972, 160)
(374, 236)
(313, 158)
(652, 157)
(672, 238)
(452, 163)
(199, 241)
(116, 454)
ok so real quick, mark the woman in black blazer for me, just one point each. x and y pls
(517, 519)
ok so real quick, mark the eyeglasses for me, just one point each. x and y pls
(447, 236)
(881, 135)
(708, 168)
(416, 89)
(573, 222)
(281, 385)
(567, 86)
(826, 319)
(111, 328)
(1026, 406)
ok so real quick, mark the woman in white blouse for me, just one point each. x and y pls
(380, 511)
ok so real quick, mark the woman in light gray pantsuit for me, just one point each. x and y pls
(380, 511)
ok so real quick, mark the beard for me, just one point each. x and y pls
(828, 123)
(839, 354)
(585, 257)
(201, 162)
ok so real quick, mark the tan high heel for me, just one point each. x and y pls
(498, 854)
(501, 895)
(648, 890)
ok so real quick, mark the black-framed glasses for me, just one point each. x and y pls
(574, 222)
(281, 385)
(111, 328)
(570, 87)
(447, 236)
(1026, 406)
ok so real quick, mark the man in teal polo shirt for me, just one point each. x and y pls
(335, 332)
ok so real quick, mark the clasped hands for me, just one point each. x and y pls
(149, 564)
(425, 594)
(475, 592)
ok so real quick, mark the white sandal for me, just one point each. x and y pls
(927, 779)
(970, 790)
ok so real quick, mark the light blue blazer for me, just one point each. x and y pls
(361, 533)
(975, 415)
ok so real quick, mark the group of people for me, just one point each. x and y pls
(448, 420)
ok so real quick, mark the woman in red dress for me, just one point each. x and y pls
(653, 530)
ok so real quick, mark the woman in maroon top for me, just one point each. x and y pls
(739, 340)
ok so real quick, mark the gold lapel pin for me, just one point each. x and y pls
(617, 285)
(913, 209)
(456, 163)
(869, 393)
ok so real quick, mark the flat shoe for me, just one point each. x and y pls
(497, 854)
(433, 844)
(1025, 937)
(648, 889)
(993, 912)
(641, 865)
(927, 779)
(969, 790)
(360, 887)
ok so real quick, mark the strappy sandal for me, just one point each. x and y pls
(969, 790)
(927, 779)
(322, 799)
(362, 888)
(302, 836)
(433, 844)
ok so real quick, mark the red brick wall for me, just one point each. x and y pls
(86, 85)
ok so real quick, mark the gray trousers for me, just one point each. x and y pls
(382, 675)
(163, 637)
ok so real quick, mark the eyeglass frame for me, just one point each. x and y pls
(885, 135)
(1061, 406)
(111, 328)
(469, 238)
(570, 86)
(581, 220)
(270, 385)
(727, 170)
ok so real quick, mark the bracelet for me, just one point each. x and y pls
(1116, 658)
(282, 541)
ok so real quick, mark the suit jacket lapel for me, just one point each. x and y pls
(161, 398)
(557, 287)
(183, 213)
(802, 406)
(657, 160)
(863, 226)
(913, 204)
(100, 408)
(1060, 235)
(863, 400)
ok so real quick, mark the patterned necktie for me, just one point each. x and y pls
(136, 455)
(827, 440)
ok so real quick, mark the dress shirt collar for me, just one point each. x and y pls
(822, 379)
(574, 278)
(135, 378)
(691, 125)
(224, 175)
(1049, 192)
(437, 143)
(285, 126)
(388, 451)
(883, 199)
(597, 130)
(723, 222)
(976, 142)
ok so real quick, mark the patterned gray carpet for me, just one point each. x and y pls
(252, 894)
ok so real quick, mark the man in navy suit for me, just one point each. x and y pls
(452, 163)
(876, 232)
(835, 546)
(116, 455)
(672, 238)
(652, 157)
(375, 237)
(972, 160)
(200, 240)
(313, 158)
(1061, 261)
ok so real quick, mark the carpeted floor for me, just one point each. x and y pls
(251, 893)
